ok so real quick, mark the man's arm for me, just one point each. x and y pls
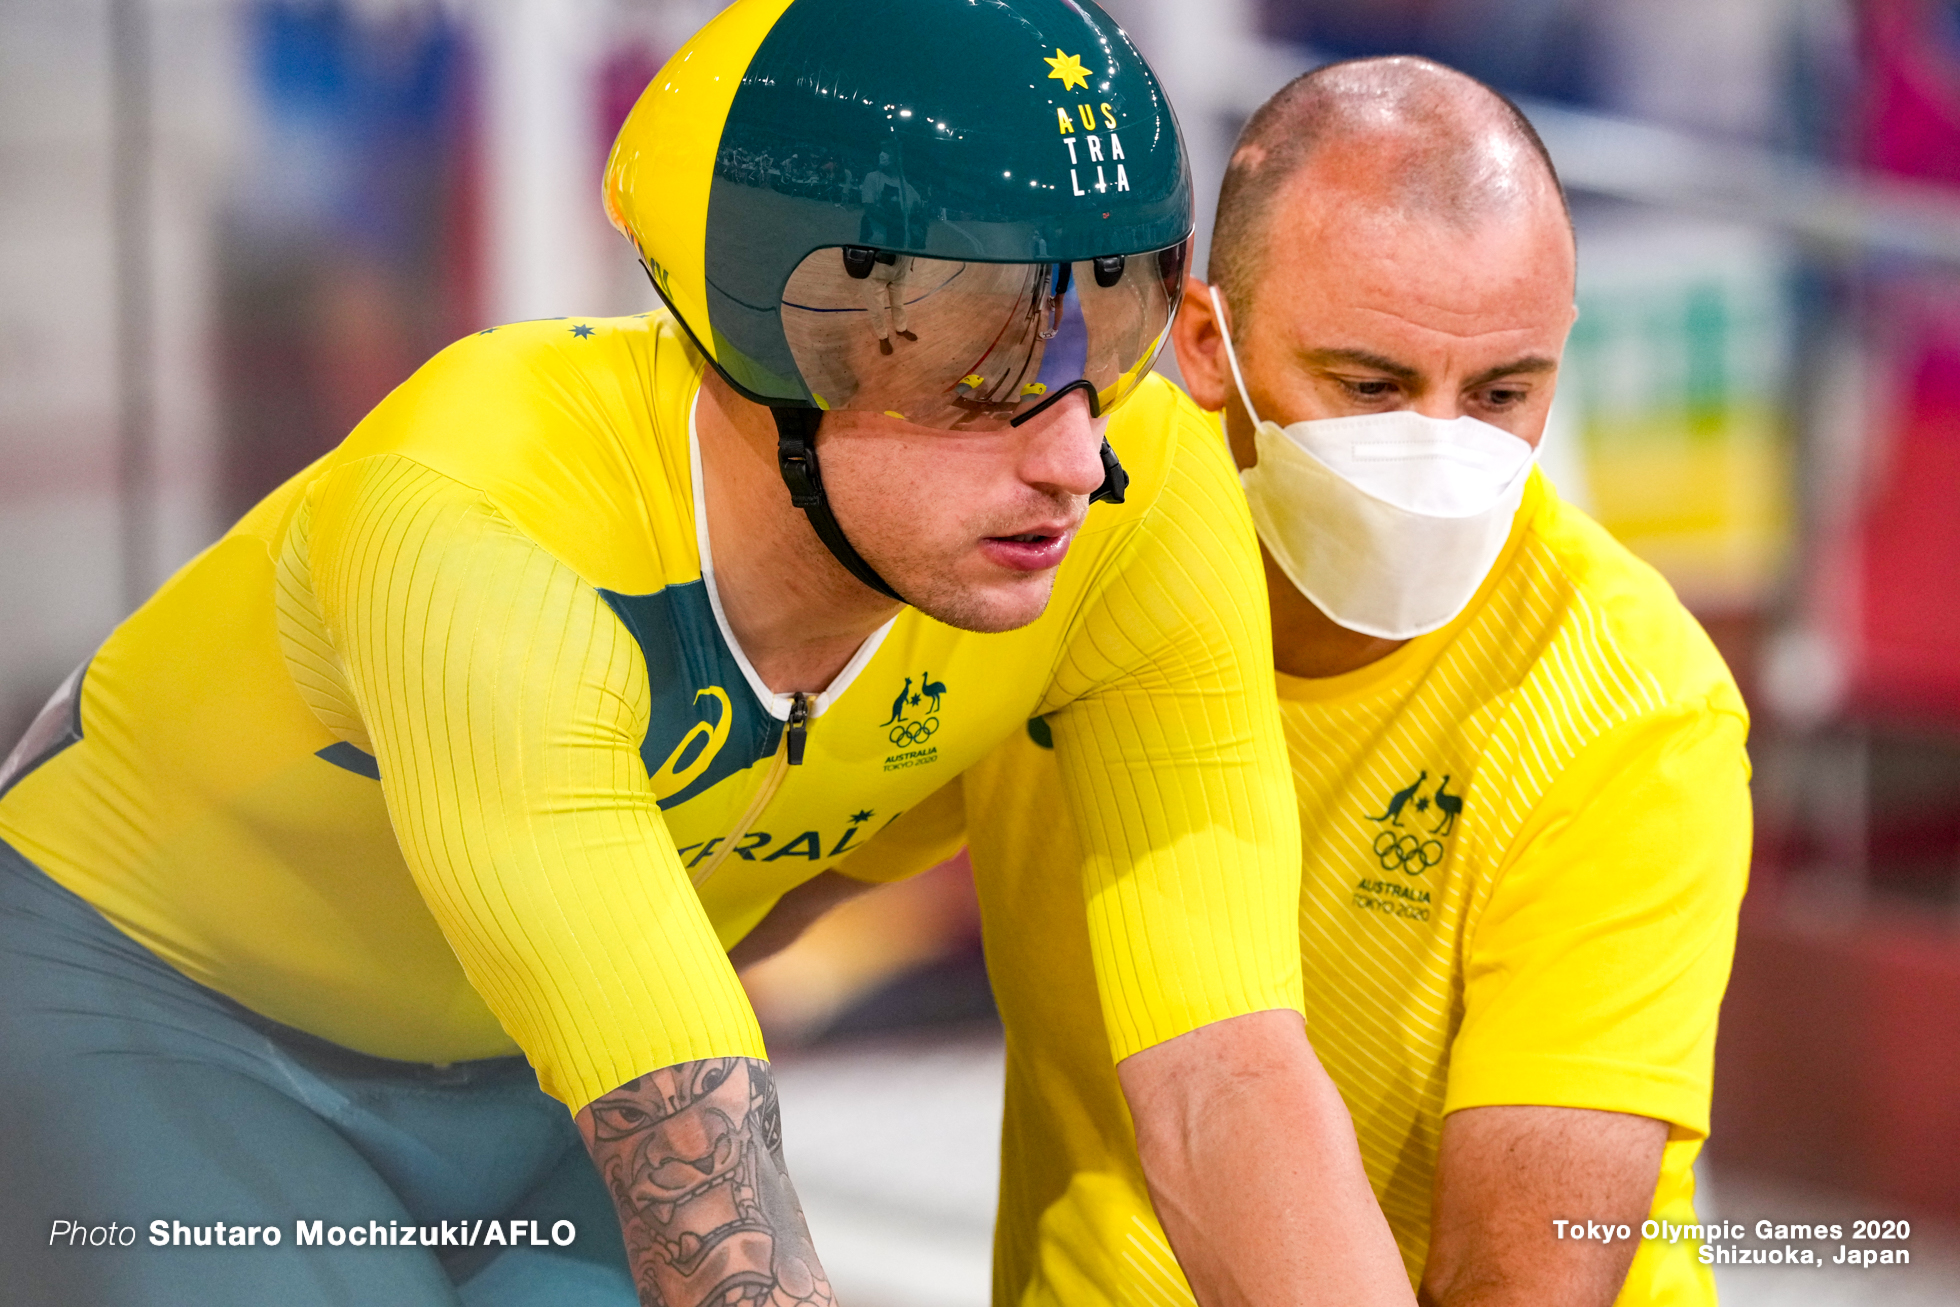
(1253, 1167)
(1504, 1174)
(493, 679)
(693, 1158)
(1177, 785)
(1594, 975)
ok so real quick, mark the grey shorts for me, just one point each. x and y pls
(152, 1132)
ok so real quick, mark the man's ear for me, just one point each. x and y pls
(1196, 335)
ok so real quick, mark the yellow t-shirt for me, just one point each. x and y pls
(1525, 839)
(445, 750)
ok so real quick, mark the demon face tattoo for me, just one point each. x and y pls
(693, 1157)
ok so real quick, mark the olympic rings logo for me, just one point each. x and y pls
(1409, 854)
(913, 732)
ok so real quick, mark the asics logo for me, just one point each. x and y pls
(698, 746)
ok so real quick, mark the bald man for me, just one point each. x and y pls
(1520, 763)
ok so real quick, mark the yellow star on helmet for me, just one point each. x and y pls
(1068, 68)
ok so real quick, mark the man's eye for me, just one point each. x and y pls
(1372, 388)
(1504, 397)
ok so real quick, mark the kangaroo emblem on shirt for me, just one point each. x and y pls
(1400, 800)
(898, 704)
(1433, 813)
(915, 712)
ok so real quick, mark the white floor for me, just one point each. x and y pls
(893, 1149)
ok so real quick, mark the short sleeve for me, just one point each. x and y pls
(506, 705)
(1595, 973)
(1174, 769)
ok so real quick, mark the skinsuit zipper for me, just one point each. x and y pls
(788, 754)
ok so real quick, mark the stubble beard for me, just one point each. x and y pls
(969, 608)
(933, 586)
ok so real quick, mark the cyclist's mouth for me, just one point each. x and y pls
(1030, 551)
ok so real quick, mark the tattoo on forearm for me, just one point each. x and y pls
(693, 1156)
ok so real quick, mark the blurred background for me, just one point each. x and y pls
(228, 227)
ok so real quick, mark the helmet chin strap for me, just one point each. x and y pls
(796, 459)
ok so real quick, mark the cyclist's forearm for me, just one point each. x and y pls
(693, 1158)
(1253, 1168)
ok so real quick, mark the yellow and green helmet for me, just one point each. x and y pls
(948, 211)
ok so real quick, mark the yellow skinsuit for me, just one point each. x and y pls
(445, 750)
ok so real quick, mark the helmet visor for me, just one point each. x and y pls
(975, 346)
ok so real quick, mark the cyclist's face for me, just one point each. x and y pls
(968, 526)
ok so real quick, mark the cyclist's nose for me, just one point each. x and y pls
(1061, 448)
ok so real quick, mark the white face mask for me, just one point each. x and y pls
(1387, 521)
